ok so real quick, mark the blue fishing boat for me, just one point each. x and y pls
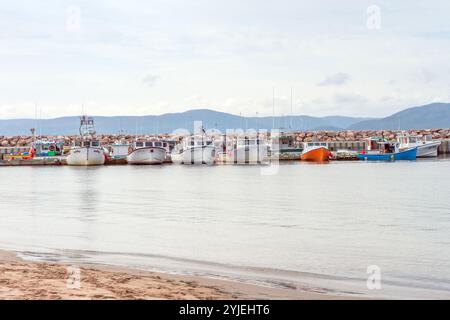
(378, 149)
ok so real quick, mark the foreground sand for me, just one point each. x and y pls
(29, 280)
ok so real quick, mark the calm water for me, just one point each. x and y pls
(313, 226)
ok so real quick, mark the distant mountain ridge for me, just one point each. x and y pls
(436, 115)
(169, 122)
(431, 116)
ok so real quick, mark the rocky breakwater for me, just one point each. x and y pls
(23, 141)
(329, 136)
(436, 134)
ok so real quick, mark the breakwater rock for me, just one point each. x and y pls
(437, 134)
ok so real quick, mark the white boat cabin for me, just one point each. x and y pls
(119, 149)
(410, 141)
(195, 141)
(151, 144)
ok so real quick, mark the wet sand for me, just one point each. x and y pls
(21, 279)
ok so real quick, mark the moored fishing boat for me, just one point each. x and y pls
(248, 150)
(48, 149)
(316, 152)
(148, 152)
(378, 149)
(88, 151)
(197, 149)
(117, 152)
(426, 147)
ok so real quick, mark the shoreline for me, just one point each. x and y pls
(25, 280)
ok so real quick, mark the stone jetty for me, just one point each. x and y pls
(329, 136)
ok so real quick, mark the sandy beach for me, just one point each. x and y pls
(25, 280)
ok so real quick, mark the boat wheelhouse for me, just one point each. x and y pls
(44, 148)
(119, 150)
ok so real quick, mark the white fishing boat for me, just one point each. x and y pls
(197, 149)
(426, 147)
(88, 151)
(119, 150)
(249, 151)
(148, 152)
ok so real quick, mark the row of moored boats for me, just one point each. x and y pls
(202, 149)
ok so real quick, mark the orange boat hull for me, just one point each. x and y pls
(318, 155)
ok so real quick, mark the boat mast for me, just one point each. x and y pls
(273, 108)
(87, 128)
(290, 124)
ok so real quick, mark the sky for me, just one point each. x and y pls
(354, 57)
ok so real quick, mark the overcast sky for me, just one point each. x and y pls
(152, 57)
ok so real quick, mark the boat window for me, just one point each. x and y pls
(199, 143)
(86, 144)
(77, 144)
(95, 143)
(149, 144)
(310, 144)
(208, 142)
(192, 143)
(157, 144)
(251, 142)
(139, 144)
(164, 144)
(323, 144)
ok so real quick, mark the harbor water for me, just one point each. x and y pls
(315, 227)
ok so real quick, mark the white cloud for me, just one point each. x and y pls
(337, 79)
(228, 54)
(150, 80)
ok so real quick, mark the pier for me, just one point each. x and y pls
(444, 148)
(343, 150)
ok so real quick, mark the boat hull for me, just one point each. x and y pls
(195, 155)
(249, 155)
(320, 154)
(428, 149)
(86, 157)
(410, 154)
(150, 155)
